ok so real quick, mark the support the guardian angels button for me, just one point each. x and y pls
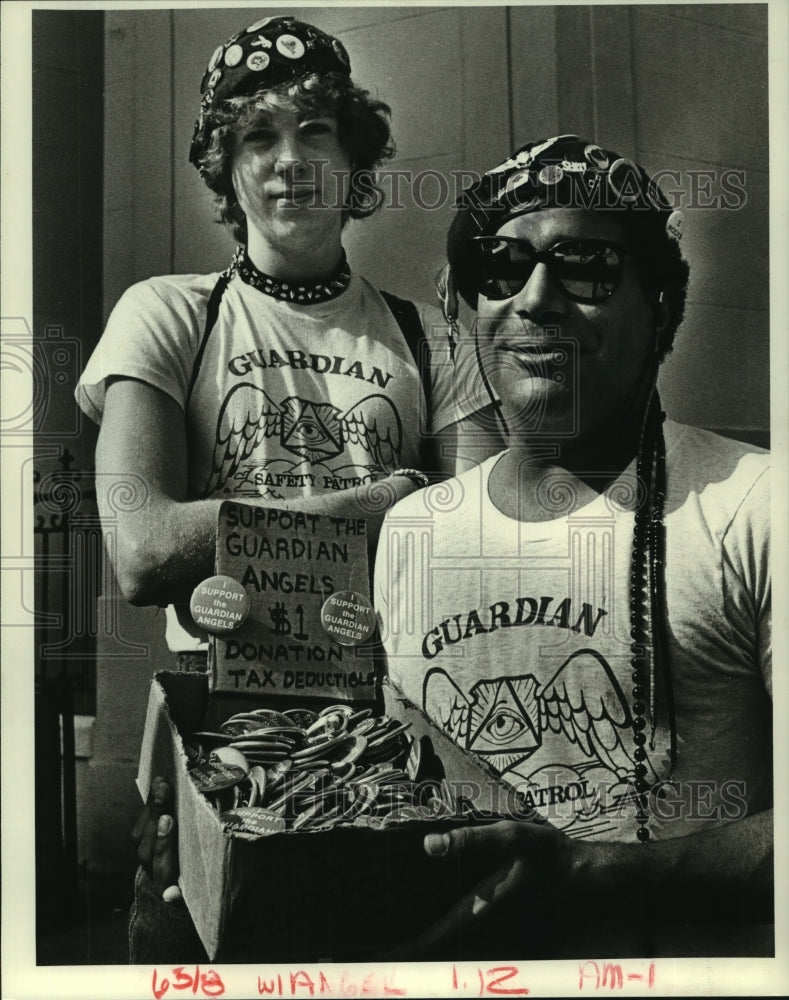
(348, 618)
(219, 604)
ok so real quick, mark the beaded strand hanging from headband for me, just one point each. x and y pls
(650, 667)
(449, 307)
(569, 172)
(649, 661)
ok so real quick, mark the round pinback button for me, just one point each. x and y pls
(675, 224)
(304, 818)
(341, 709)
(351, 750)
(259, 24)
(596, 156)
(219, 605)
(551, 173)
(327, 725)
(258, 61)
(302, 717)
(364, 727)
(229, 755)
(253, 820)
(213, 776)
(257, 778)
(348, 618)
(624, 180)
(516, 180)
(340, 52)
(290, 46)
(414, 759)
(234, 55)
(215, 58)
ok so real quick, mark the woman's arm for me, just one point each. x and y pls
(161, 544)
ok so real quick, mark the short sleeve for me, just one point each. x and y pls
(153, 335)
(746, 572)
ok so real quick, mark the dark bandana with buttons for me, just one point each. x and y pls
(562, 172)
(269, 52)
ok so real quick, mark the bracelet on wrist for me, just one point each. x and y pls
(414, 475)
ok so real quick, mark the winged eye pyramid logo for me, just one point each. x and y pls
(506, 720)
(312, 430)
(315, 432)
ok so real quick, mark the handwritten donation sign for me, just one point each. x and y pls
(306, 580)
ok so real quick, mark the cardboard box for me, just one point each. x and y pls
(347, 893)
(470, 776)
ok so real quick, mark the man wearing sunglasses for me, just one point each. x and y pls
(592, 605)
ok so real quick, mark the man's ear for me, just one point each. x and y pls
(447, 294)
(661, 310)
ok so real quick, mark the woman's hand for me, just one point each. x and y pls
(156, 838)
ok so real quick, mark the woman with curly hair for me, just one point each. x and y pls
(284, 380)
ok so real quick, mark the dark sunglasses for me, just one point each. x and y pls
(588, 271)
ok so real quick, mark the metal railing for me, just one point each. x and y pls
(67, 543)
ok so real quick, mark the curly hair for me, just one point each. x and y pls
(363, 129)
(660, 266)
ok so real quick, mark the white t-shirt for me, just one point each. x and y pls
(287, 400)
(514, 638)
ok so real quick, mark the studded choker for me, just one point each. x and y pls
(303, 293)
